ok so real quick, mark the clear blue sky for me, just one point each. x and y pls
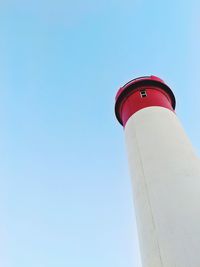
(65, 191)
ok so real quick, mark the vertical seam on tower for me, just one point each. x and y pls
(148, 197)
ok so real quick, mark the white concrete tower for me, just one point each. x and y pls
(165, 173)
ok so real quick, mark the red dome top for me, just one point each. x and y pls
(159, 94)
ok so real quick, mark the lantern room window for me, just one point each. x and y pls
(143, 93)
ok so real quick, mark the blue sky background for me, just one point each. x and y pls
(65, 191)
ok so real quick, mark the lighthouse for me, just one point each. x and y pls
(165, 174)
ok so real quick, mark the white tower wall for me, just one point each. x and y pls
(165, 175)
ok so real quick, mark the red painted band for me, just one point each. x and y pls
(129, 99)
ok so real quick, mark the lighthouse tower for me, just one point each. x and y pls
(165, 172)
